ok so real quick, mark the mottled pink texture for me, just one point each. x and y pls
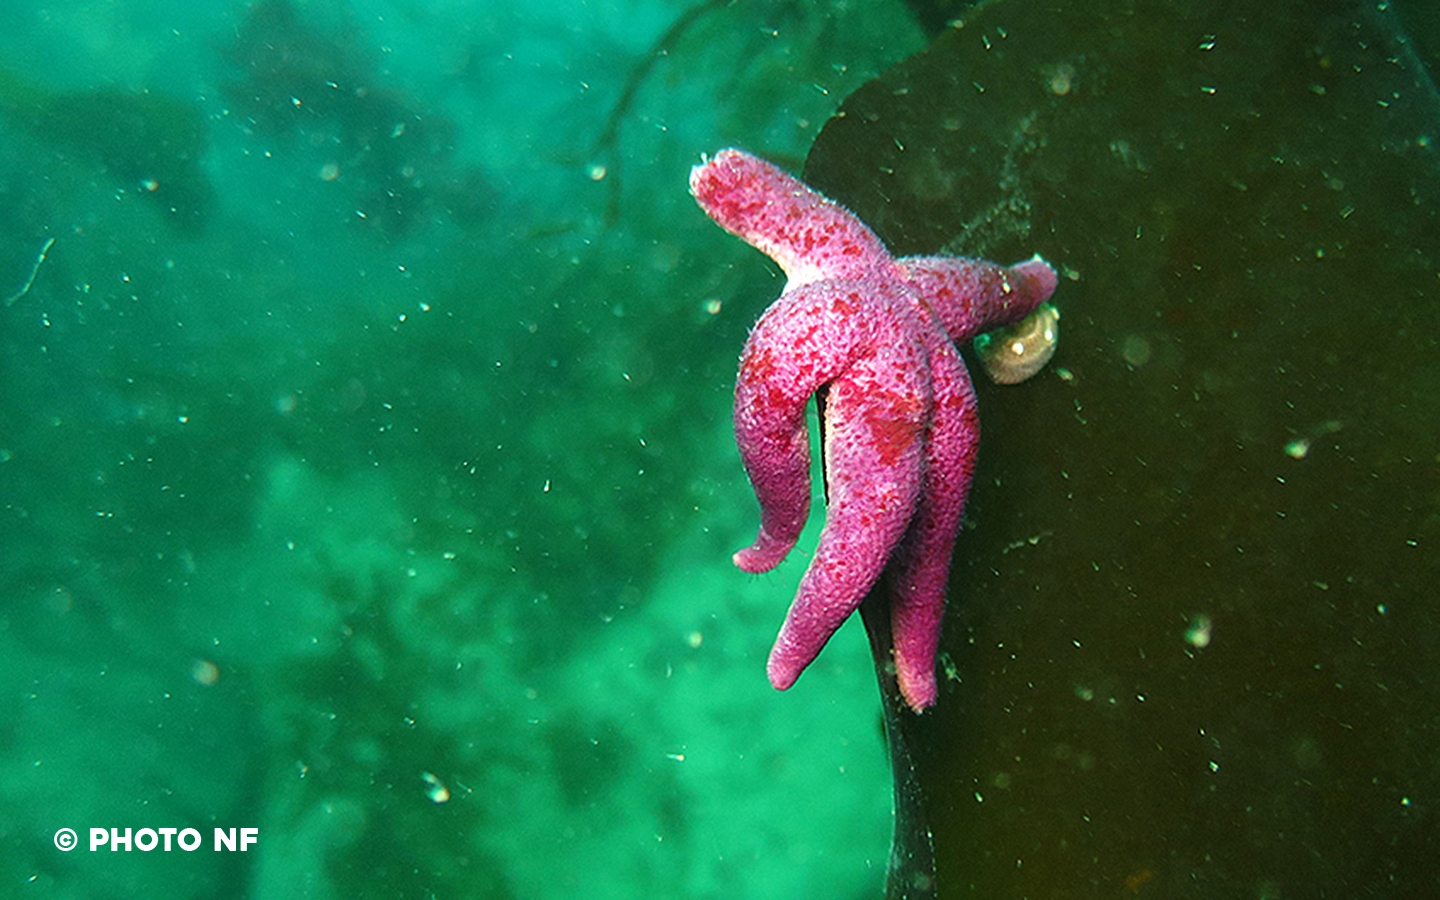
(900, 426)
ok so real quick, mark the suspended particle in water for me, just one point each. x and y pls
(1198, 634)
(1061, 79)
(204, 672)
(435, 789)
(1135, 350)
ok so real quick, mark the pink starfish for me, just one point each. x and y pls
(874, 336)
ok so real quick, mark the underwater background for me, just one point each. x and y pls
(367, 478)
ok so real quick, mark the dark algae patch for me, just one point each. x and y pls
(1192, 626)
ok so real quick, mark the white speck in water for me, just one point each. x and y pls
(1198, 634)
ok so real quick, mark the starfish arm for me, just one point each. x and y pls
(808, 235)
(803, 341)
(918, 586)
(876, 417)
(970, 296)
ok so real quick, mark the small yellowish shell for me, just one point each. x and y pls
(1012, 354)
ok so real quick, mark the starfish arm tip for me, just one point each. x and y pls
(782, 671)
(1041, 275)
(919, 690)
(768, 550)
(756, 560)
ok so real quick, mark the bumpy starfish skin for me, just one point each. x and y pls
(875, 336)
